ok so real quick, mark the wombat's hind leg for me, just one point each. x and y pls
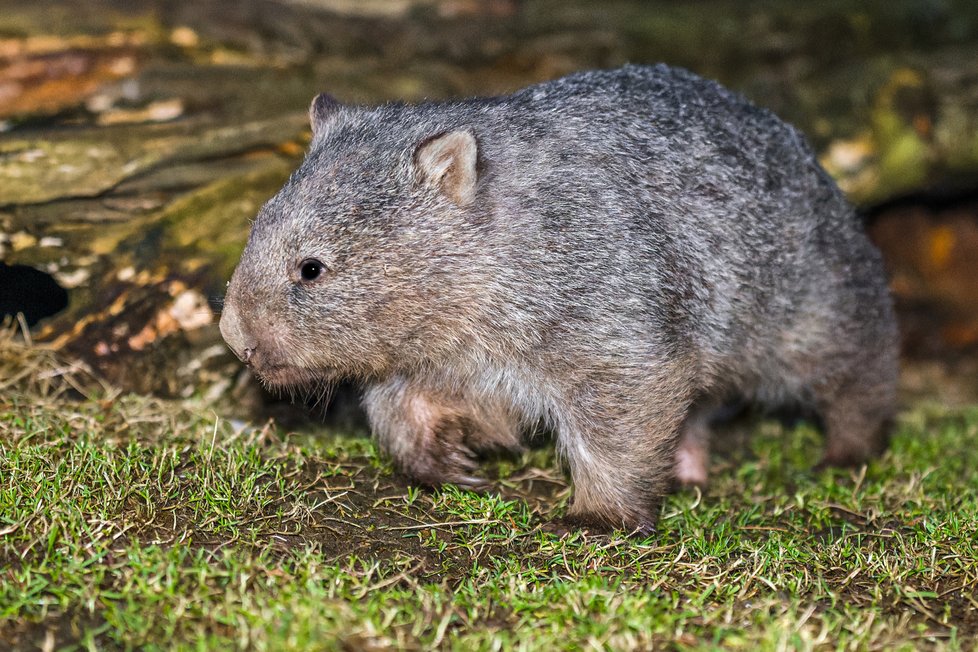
(693, 452)
(855, 431)
(434, 437)
(858, 415)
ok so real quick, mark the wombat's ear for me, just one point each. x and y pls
(323, 109)
(448, 162)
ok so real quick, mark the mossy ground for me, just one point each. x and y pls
(127, 522)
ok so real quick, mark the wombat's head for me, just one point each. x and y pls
(357, 266)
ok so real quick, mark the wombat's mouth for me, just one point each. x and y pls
(285, 376)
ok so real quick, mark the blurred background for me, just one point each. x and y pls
(138, 138)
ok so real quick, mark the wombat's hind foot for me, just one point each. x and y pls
(692, 468)
(857, 424)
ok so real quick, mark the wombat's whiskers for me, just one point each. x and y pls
(320, 395)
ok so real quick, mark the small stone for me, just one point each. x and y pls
(184, 37)
(162, 111)
(73, 279)
(190, 310)
(22, 240)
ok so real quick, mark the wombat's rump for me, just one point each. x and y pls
(614, 253)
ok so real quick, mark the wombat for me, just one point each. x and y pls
(613, 254)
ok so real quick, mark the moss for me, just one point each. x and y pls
(212, 223)
(40, 170)
(904, 157)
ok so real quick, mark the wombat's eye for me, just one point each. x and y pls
(310, 269)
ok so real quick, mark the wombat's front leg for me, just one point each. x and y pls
(621, 446)
(434, 436)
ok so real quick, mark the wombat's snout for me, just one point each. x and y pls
(234, 334)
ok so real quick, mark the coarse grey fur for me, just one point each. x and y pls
(612, 253)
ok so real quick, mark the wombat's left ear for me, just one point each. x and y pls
(448, 162)
(323, 109)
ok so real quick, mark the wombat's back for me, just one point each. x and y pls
(667, 203)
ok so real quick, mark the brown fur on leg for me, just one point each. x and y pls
(434, 436)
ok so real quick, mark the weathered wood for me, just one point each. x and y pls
(140, 141)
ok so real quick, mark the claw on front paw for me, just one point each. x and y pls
(470, 482)
(447, 467)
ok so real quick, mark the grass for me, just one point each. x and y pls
(128, 522)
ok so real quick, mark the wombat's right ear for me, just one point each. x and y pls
(448, 162)
(323, 109)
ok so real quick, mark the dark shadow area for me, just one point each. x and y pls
(24, 289)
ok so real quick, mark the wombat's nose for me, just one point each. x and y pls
(235, 334)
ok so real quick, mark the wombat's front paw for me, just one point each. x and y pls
(445, 458)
